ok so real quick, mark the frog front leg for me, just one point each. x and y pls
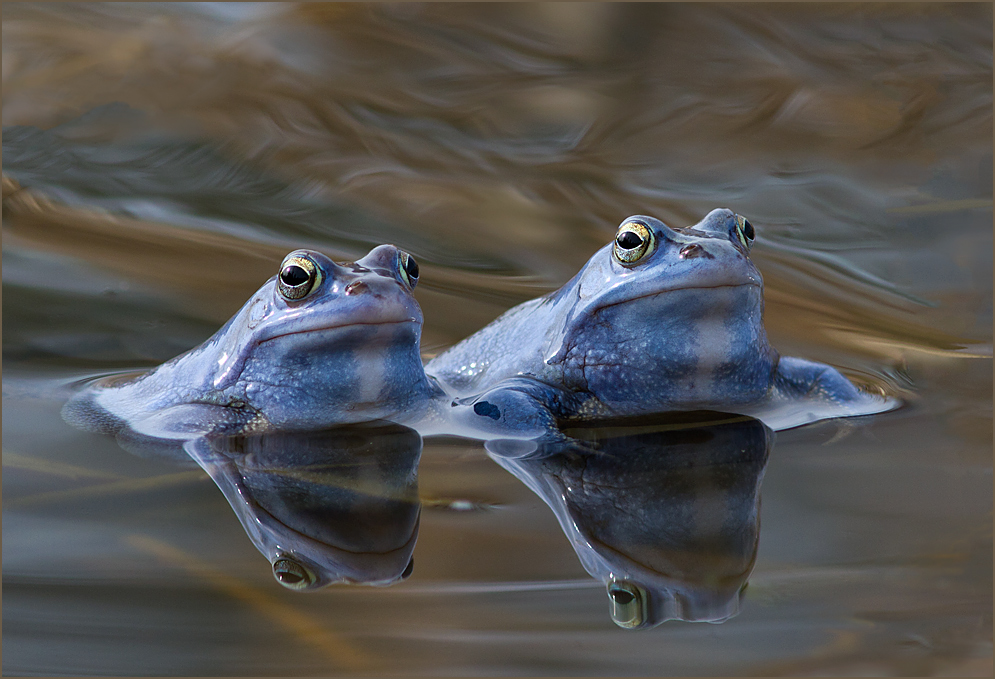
(806, 391)
(517, 408)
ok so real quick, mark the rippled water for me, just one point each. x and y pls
(160, 159)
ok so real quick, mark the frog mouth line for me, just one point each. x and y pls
(688, 287)
(334, 327)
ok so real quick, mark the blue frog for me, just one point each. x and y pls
(661, 319)
(319, 344)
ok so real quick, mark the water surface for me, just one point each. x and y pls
(160, 160)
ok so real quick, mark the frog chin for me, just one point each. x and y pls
(642, 316)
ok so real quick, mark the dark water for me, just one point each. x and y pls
(159, 161)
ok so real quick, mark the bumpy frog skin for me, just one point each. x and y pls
(661, 319)
(319, 344)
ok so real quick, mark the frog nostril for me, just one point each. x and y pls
(693, 250)
(356, 287)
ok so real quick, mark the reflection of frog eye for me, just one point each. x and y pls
(745, 231)
(299, 275)
(291, 574)
(633, 241)
(408, 268)
(628, 603)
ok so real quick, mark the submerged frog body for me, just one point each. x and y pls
(319, 344)
(659, 320)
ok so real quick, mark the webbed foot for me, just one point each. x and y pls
(800, 378)
(806, 391)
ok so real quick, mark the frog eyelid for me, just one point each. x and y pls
(299, 276)
(634, 241)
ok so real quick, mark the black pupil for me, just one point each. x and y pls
(629, 240)
(748, 230)
(622, 597)
(411, 267)
(293, 275)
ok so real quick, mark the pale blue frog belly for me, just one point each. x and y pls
(659, 320)
(319, 344)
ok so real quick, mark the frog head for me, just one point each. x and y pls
(324, 343)
(664, 317)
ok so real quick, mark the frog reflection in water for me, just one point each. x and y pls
(334, 506)
(659, 320)
(666, 514)
(319, 344)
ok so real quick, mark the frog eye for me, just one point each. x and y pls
(299, 275)
(628, 603)
(633, 242)
(291, 574)
(745, 231)
(408, 268)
